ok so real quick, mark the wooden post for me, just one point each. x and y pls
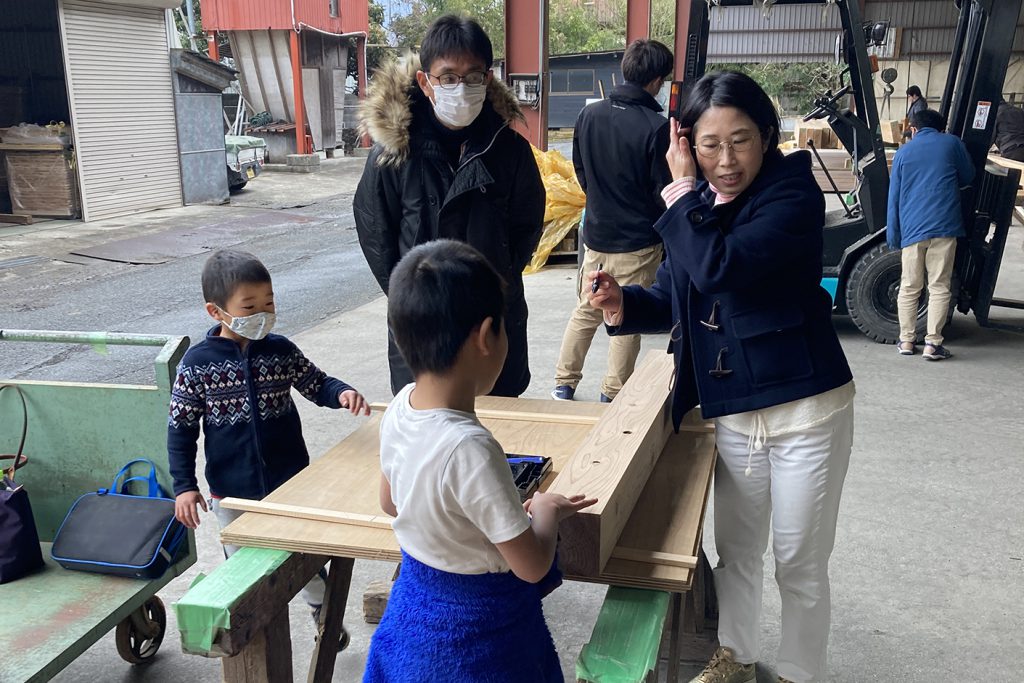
(211, 44)
(332, 616)
(300, 104)
(267, 657)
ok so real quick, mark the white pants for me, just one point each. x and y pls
(314, 591)
(795, 483)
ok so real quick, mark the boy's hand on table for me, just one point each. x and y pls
(561, 506)
(354, 402)
(185, 510)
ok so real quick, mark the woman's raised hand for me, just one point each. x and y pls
(679, 155)
(604, 294)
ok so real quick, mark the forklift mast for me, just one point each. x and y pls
(981, 55)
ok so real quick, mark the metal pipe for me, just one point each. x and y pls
(66, 337)
(954, 62)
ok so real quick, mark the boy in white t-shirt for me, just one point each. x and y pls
(467, 604)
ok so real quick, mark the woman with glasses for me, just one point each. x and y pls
(755, 348)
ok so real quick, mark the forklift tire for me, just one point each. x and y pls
(871, 291)
(139, 635)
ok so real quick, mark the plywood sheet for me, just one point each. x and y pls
(346, 478)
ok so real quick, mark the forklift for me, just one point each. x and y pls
(860, 271)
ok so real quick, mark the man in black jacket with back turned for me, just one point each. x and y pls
(619, 150)
(447, 164)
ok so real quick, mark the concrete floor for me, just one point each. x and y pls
(928, 571)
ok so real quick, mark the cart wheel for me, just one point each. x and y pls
(138, 636)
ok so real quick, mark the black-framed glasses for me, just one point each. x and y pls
(451, 80)
(710, 149)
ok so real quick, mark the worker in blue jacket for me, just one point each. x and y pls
(925, 220)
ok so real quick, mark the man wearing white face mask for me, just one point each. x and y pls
(447, 164)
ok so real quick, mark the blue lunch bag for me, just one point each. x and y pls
(114, 532)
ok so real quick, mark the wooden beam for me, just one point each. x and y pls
(268, 657)
(321, 668)
(655, 557)
(613, 464)
(487, 414)
(255, 611)
(301, 512)
(15, 218)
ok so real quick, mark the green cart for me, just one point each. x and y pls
(79, 435)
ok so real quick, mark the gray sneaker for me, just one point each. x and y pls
(724, 669)
(343, 640)
(932, 352)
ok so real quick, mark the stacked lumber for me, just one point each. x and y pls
(646, 532)
(41, 181)
(838, 164)
(817, 131)
(892, 132)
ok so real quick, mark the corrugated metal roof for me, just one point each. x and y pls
(806, 33)
(260, 15)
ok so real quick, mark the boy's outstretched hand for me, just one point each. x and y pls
(562, 507)
(354, 402)
(185, 510)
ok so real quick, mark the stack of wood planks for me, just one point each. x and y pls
(652, 486)
(41, 180)
(817, 131)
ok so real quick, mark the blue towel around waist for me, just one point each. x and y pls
(457, 628)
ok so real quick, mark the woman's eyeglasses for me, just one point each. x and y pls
(450, 80)
(710, 149)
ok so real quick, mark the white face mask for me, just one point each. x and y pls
(254, 327)
(459, 106)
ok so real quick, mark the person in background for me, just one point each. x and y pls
(447, 164)
(740, 294)
(618, 151)
(925, 220)
(915, 103)
(1009, 131)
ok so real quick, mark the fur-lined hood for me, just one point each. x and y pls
(386, 114)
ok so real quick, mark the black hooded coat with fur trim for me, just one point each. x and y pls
(411, 193)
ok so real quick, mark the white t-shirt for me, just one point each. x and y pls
(452, 487)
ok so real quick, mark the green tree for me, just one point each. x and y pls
(408, 31)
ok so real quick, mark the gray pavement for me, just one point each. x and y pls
(928, 571)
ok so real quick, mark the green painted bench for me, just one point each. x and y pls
(638, 629)
(79, 436)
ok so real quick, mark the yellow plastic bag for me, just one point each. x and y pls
(564, 206)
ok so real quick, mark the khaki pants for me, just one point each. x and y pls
(631, 268)
(932, 259)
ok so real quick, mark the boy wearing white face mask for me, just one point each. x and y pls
(237, 384)
(447, 164)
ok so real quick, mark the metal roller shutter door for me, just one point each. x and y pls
(122, 104)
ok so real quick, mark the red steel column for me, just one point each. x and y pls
(638, 20)
(526, 52)
(300, 105)
(692, 26)
(212, 49)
